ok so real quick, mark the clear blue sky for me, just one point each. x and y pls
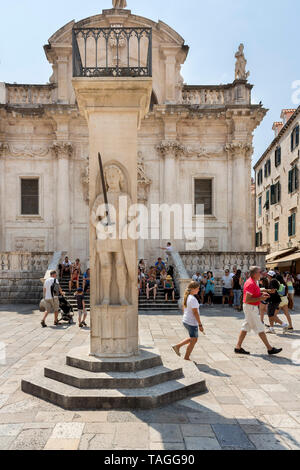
(213, 29)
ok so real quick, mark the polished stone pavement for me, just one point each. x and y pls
(253, 402)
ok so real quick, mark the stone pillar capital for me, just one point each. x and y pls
(170, 149)
(239, 150)
(3, 148)
(62, 150)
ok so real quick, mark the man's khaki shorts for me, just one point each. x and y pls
(52, 305)
(252, 320)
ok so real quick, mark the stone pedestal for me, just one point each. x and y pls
(113, 108)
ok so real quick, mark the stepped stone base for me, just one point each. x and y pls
(141, 382)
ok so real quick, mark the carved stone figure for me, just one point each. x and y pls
(115, 255)
(119, 4)
(240, 66)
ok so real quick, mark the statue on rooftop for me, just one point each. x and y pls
(241, 63)
(119, 4)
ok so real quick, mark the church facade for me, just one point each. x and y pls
(195, 147)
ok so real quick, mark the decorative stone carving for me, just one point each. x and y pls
(113, 252)
(62, 149)
(30, 244)
(170, 148)
(28, 150)
(119, 4)
(30, 94)
(144, 182)
(85, 179)
(240, 66)
(3, 148)
(203, 96)
(238, 148)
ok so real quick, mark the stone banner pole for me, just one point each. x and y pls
(113, 108)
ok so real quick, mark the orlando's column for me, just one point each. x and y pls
(113, 108)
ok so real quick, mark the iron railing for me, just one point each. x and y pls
(112, 52)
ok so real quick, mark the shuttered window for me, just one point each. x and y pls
(278, 156)
(203, 195)
(258, 239)
(292, 225)
(29, 196)
(275, 193)
(260, 177)
(295, 138)
(276, 231)
(293, 179)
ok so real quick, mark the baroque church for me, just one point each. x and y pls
(194, 147)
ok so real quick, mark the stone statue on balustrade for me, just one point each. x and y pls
(116, 253)
(119, 4)
(240, 66)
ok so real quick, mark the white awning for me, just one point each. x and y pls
(276, 254)
(289, 259)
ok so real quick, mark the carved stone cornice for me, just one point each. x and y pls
(62, 150)
(173, 149)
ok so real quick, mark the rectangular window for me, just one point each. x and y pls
(278, 156)
(292, 225)
(29, 196)
(258, 239)
(260, 177)
(276, 231)
(293, 179)
(260, 206)
(203, 195)
(267, 204)
(268, 168)
(295, 138)
(275, 193)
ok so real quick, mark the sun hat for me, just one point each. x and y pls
(169, 278)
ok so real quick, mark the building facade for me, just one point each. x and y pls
(195, 147)
(277, 195)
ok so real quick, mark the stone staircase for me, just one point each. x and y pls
(84, 382)
(159, 305)
(64, 284)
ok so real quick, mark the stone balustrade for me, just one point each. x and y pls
(29, 94)
(195, 261)
(238, 92)
(21, 262)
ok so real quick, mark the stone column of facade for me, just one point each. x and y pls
(241, 196)
(63, 152)
(113, 108)
(63, 78)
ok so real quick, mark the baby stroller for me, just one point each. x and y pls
(66, 311)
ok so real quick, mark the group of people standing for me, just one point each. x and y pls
(260, 293)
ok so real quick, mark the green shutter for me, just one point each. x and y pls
(290, 181)
(273, 198)
(294, 224)
(276, 231)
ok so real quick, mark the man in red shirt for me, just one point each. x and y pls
(253, 296)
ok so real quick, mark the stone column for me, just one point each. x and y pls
(63, 78)
(3, 149)
(62, 151)
(113, 108)
(241, 196)
(170, 151)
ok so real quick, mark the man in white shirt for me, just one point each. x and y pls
(66, 267)
(51, 292)
(227, 287)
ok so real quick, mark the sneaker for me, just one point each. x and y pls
(43, 324)
(290, 330)
(84, 324)
(176, 350)
(285, 327)
(274, 351)
(241, 351)
(271, 331)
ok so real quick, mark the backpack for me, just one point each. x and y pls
(55, 289)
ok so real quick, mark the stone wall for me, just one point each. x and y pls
(21, 288)
(217, 263)
(20, 277)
